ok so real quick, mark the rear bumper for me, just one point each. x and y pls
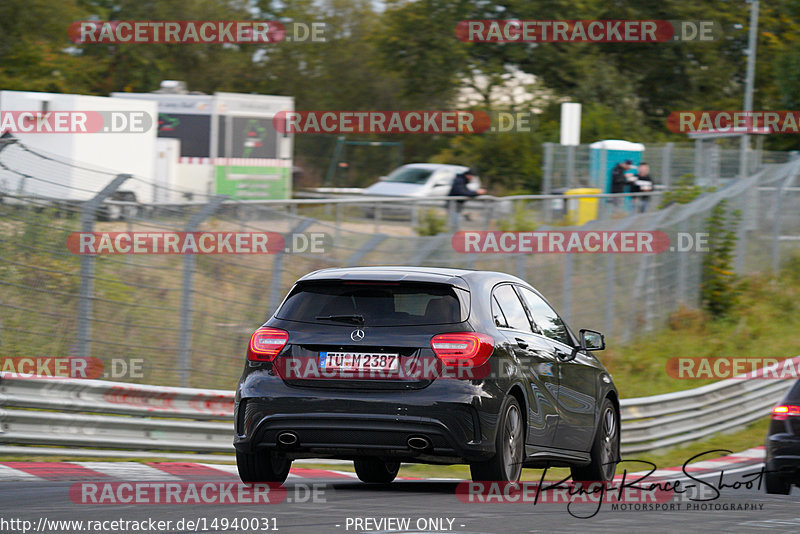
(457, 422)
(783, 455)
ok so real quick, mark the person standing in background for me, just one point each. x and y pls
(460, 189)
(621, 176)
(643, 184)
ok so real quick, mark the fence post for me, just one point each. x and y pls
(698, 159)
(714, 164)
(547, 180)
(187, 293)
(453, 217)
(683, 270)
(602, 173)
(338, 225)
(547, 172)
(604, 204)
(570, 166)
(88, 215)
(743, 156)
(377, 217)
(365, 249)
(276, 285)
(666, 165)
(567, 307)
(776, 229)
(609, 304)
(747, 222)
(488, 208)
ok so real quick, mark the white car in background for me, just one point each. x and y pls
(425, 180)
(420, 180)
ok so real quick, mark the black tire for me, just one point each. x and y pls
(605, 449)
(375, 470)
(506, 464)
(775, 484)
(263, 467)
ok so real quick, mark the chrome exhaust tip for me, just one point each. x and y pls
(418, 443)
(287, 439)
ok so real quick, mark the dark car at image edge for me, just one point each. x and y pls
(782, 463)
(384, 365)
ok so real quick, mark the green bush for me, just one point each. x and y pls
(683, 192)
(431, 223)
(717, 285)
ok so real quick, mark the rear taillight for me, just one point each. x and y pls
(463, 349)
(783, 411)
(266, 343)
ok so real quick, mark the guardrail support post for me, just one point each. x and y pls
(88, 215)
(187, 292)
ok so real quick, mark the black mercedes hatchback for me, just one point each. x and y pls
(384, 365)
(783, 445)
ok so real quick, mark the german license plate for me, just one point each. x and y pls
(358, 361)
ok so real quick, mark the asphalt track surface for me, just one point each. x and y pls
(42, 492)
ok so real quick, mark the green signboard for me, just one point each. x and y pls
(253, 183)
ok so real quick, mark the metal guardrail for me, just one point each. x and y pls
(41, 411)
(114, 415)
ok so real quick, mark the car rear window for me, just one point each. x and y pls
(378, 304)
(794, 393)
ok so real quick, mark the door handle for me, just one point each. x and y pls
(521, 343)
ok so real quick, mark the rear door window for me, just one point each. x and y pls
(546, 317)
(375, 304)
(512, 312)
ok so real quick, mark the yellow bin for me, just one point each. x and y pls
(582, 210)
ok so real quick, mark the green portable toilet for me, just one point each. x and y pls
(604, 155)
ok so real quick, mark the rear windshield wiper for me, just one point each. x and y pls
(355, 319)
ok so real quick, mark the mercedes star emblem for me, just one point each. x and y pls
(357, 335)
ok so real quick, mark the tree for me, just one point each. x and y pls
(35, 52)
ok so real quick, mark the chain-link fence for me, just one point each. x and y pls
(711, 162)
(189, 317)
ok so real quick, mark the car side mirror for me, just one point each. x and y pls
(592, 340)
(382, 178)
